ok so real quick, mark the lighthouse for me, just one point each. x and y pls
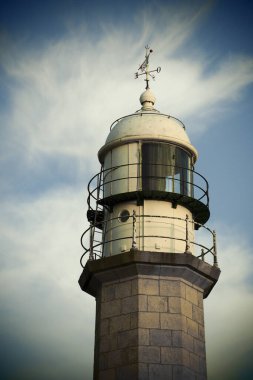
(149, 261)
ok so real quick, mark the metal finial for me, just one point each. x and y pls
(144, 68)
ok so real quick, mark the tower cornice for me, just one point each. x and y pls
(178, 265)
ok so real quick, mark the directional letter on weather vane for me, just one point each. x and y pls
(144, 68)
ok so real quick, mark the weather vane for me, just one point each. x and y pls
(144, 68)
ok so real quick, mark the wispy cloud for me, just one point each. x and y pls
(63, 97)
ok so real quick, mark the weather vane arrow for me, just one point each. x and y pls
(144, 68)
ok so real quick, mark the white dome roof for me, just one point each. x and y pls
(145, 125)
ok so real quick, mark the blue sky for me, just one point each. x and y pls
(66, 74)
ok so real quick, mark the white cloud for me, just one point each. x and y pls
(42, 304)
(65, 96)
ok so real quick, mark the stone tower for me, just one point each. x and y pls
(146, 269)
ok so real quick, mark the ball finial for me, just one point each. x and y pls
(147, 100)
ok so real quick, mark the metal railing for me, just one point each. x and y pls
(97, 239)
(196, 187)
(139, 113)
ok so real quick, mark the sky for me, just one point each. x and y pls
(67, 72)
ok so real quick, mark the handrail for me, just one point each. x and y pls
(96, 250)
(105, 172)
(139, 113)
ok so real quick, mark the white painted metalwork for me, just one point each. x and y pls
(135, 234)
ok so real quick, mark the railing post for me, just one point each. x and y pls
(91, 257)
(187, 245)
(134, 244)
(215, 261)
(202, 254)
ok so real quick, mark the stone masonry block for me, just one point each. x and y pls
(108, 343)
(201, 333)
(103, 362)
(192, 328)
(129, 304)
(128, 338)
(114, 358)
(142, 302)
(148, 286)
(110, 308)
(143, 371)
(108, 374)
(185, 357)
(148, 320)
(149, 354)
(123, 289)
(133, 320)
(104, 327)
(157, 303)
(198, 314)
(194, 362)
(186, 308)
(191, 294)
(120, 323)
(108, 292)
(180, 372)
(143, 337)
(177, 338)
(173, 321)
(130, 355)
(134, 303)
(174, 305)
(199, 348)
(160, 337)
(181, 339)
(160, 372)
(173, 355)
(174, 288)
(200, 299)
(127, 372)
(134, 284)
(202, 367)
